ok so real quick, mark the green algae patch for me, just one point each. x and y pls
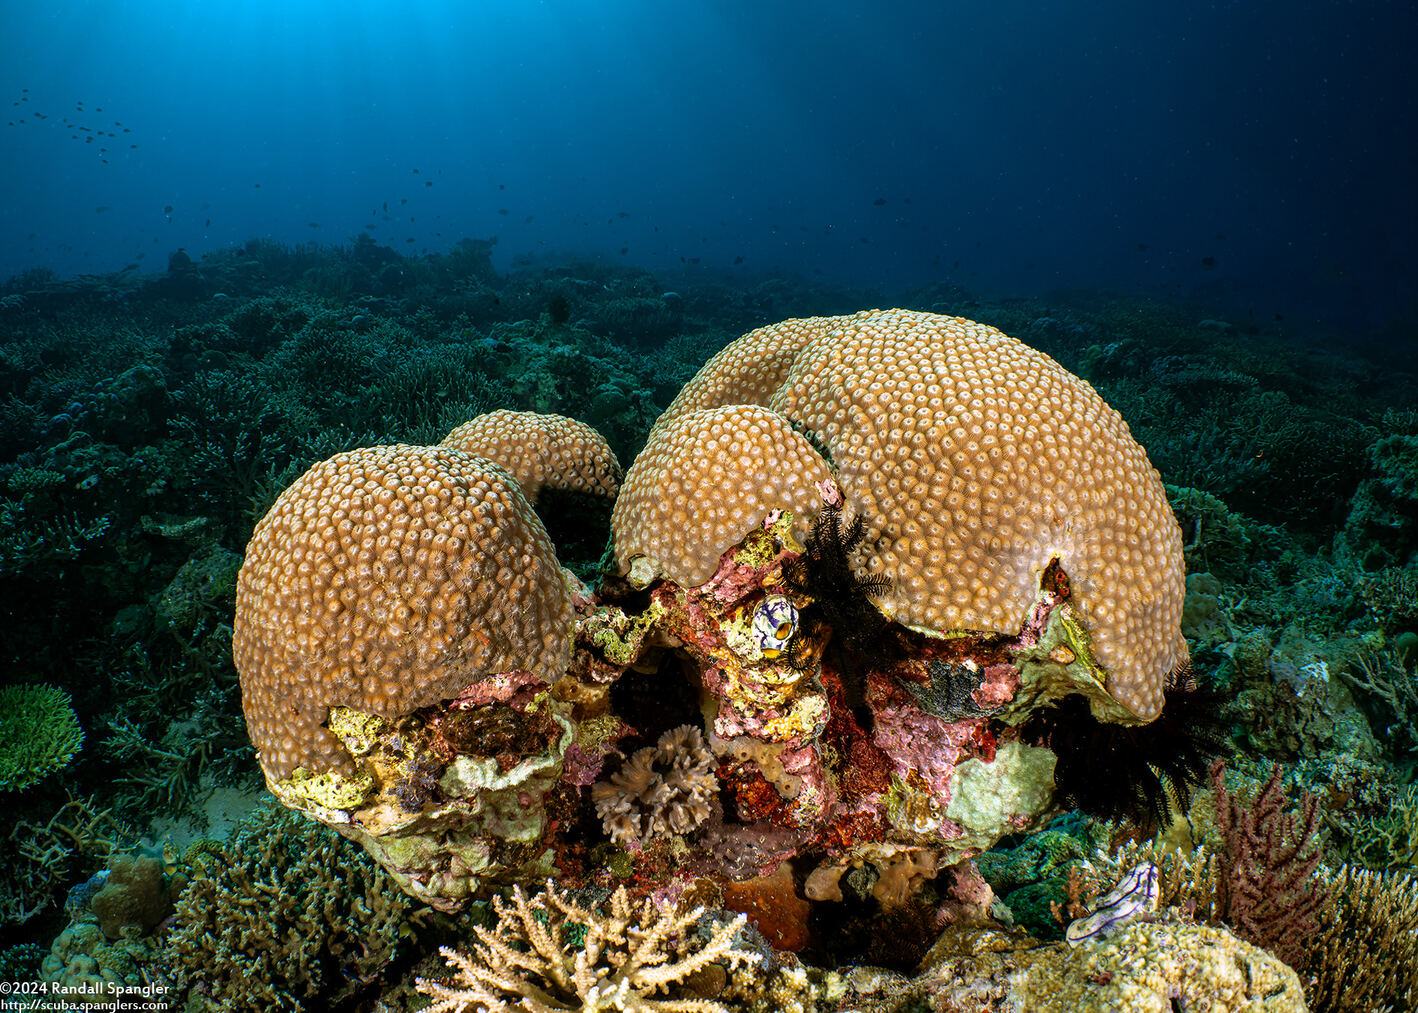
(357, 730)
(990, 800)
(619, 637)
(330, 790)
(1062, 664)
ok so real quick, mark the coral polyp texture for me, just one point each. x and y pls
(976, 462)
(387, 579)
(542, 451)
(704, 480)
(861, 552)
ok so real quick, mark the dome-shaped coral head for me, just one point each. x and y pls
(974, 461)
(388, 579)
(542, 451)
(706, 479)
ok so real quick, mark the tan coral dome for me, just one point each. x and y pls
(749, 369)
(708, 478)
(541, 451)
(976, 460)
(387, 579)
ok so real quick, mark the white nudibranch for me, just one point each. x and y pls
(774, 623)
(1134, 897)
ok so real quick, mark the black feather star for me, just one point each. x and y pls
(839, 616)
(838, 595)
(1141, 773)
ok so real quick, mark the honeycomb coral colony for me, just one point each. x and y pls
(420, 673)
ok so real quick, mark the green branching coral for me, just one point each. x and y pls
(1218, 540)
(30, 546)
(286, 916)
(1387, 838)
(432, 388)
(234, 426)
(166, 772)
(1382, 527)
(1223, 427)
(1392, 597)
(20, 962)
(39, 734)
(1388, 692)
(175, 692)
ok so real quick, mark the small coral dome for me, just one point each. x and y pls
(387, 579)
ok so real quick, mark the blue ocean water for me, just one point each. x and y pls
(1259, 156)
(244, 247)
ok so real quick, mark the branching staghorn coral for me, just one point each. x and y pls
(39, 734)
(29, 544)
(38, 857)
(1392, 596)
(1388, 691)
(1387, 839)
(1365, 953)
(285, 915)
(529, 962)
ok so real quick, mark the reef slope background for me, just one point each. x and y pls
(148, 422)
